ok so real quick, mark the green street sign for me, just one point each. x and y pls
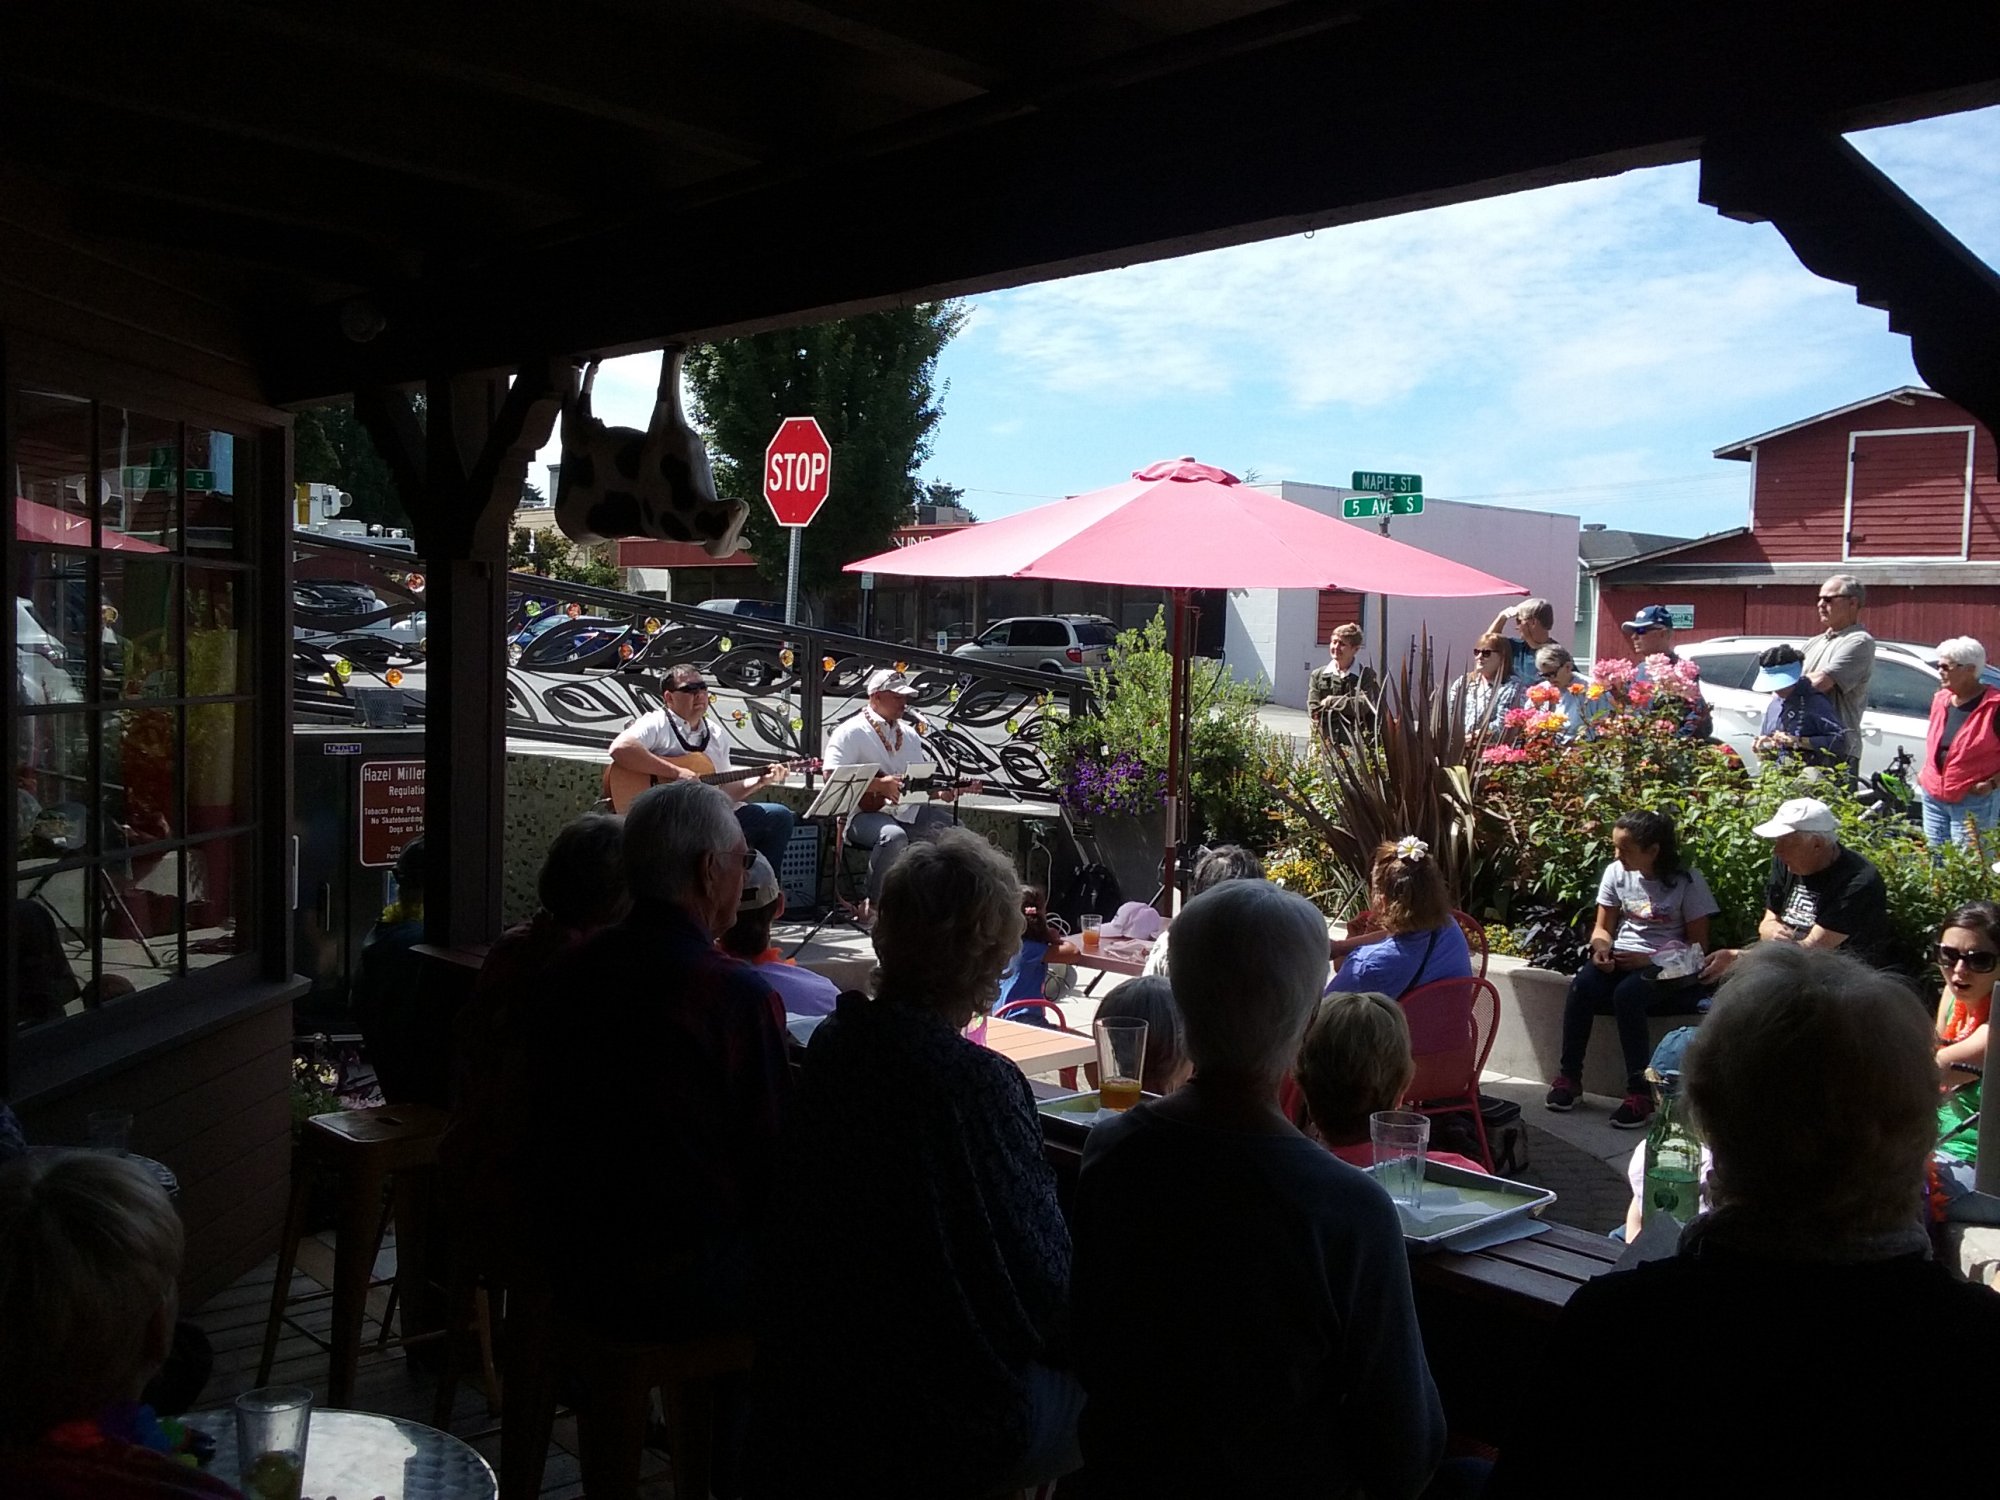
(161, 477)
(1388, 484)
(1363, 507)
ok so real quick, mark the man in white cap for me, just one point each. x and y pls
(887, 736)
(802, 992)
(1819, 894)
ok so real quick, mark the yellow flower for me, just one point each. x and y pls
(1596, 690)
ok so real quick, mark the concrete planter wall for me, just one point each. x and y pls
(1528, 1043)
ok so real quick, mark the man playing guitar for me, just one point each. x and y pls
(685, 728)
(884, 735)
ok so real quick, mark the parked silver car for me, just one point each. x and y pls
(1044, 643)
(1900, 691)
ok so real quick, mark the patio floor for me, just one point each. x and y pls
(384, 1382)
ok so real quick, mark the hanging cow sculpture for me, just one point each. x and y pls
(617, 482)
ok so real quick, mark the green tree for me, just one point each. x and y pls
(330, 446)
(551, 553)
(871, 382)
(937, 492)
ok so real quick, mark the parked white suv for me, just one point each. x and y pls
(1900, 691)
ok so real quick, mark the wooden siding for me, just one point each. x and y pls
(1336, 607)
(1908, 495)
(217, 1110)
(1924, 615)
(1799, 506)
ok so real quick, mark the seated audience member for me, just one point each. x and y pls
(919, 1357)
(90, 1250)
(581, 888)
(1355, 1061)
(47, 983)
(800, 991)
(1242, 1307)
(1415, 939)
(1223, 862)
(1968, 949)
(1151, 999)
(667, 1086)
(1800, 722)
(1040, 946)
(1819, 894)
(1793, 1302)
(1648, 905)
(1959, 778)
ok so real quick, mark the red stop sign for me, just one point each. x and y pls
(798, 471)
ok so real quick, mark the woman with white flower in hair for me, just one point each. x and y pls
(1414, 938)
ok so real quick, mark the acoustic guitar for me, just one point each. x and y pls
(621, 785)
(937, 784)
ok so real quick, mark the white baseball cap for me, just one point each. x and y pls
(888, 680)
(760, 886)
(1800, 815)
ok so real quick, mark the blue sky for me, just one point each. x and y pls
(1581, 349)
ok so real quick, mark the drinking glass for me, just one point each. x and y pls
(271, 1429)
(1088, 925)
(1121, 1061)
(1400, 1138)
(109, 1130)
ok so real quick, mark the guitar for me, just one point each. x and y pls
(621, 785)
(936, 783)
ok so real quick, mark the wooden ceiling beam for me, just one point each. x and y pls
(1271, 142)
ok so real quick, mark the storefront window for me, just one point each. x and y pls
(134, 827)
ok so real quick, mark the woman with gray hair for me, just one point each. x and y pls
(918, 1277)
(1960, 776)
(1243, 1315)
(90, 1250)
(1796, 1308)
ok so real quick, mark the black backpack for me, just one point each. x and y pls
(1095, 889)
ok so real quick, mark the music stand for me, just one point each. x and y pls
(839, 798)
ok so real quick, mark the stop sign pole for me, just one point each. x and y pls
(798, 475)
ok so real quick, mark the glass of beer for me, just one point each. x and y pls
(271, 1428)
(1087, 930)
(1121, 1061)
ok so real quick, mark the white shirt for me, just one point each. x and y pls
(666, 734)
(866, 740)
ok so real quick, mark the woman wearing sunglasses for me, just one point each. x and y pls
(1968, 954)
(1487, 691)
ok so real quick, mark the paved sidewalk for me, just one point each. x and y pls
(1577, 1154)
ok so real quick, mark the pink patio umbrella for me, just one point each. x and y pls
(1179, 525)
(35, 522)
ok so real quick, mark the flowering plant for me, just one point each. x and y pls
(1122, 783)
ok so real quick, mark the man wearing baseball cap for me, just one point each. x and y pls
(1819, 894)
(1651, 633)
(802, 992)
(887, 736)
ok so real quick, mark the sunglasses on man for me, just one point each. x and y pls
(697, 686)
(1979, 960)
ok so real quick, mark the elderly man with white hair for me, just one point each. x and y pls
(1820, 894)
(1796, 1309)
(1241, 1298)
(1960, 776)
(668, 1081)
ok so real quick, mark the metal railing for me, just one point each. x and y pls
(585, 661)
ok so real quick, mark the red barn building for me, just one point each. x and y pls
(1900, 490)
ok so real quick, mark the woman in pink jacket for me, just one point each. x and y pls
(1960, 776)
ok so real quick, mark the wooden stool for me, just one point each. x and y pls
(614, 1380)
(364, 1148)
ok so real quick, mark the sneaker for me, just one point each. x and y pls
(1636, 1113)
(1563, 1094)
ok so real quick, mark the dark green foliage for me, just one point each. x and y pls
(330, 446)
(870, 381)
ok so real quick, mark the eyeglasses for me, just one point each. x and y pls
(1829, 598)
(746, 854)
(1486, 653)
(689, 687)
(1550, 676)
(1979, 960)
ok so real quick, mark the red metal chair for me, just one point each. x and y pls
(1475, 937)
(1452, 1022)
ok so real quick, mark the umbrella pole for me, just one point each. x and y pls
(1176, 745)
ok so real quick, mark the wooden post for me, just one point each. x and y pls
(460, 475)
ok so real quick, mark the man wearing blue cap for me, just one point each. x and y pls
(1799, 720)
(1651, 633)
